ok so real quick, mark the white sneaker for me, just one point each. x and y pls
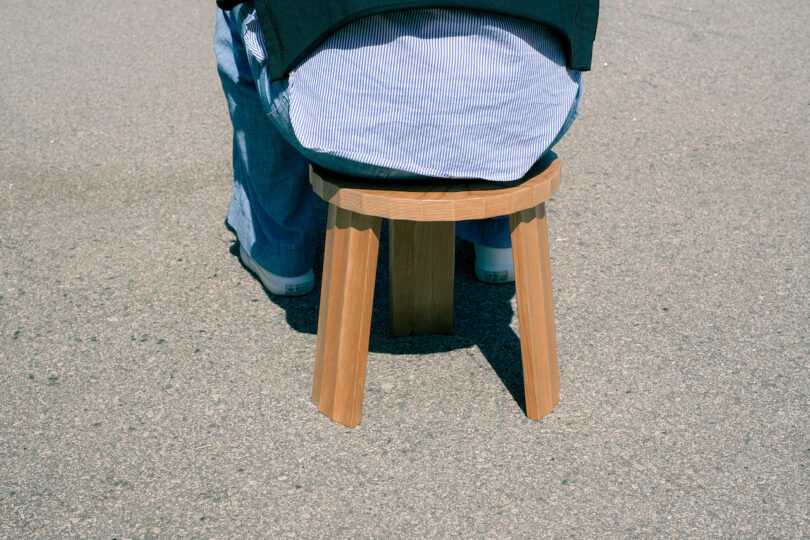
(282, 286)
(494, 265)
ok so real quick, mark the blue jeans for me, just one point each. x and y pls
(273, 203)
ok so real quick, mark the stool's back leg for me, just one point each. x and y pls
(421, 269)
(538, 343)
(344, 323)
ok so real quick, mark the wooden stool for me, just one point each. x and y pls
(422, 240)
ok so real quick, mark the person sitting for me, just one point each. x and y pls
(483, 90)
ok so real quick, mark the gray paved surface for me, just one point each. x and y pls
(149, 387)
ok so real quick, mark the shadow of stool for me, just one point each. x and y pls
(421, 267)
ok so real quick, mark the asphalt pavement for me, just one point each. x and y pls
(149, 387)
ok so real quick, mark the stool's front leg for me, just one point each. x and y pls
(344, 322)
(538, 343)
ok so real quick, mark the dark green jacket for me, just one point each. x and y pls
(294, 28)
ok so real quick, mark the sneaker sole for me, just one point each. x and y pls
(494, 276)
(279, 289)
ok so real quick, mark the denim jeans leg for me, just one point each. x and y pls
(272, 205)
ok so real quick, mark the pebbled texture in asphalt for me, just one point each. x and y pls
(149, 387)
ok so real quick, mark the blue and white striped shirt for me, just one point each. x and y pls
(445, 93)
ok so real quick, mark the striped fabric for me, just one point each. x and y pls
(254, 39)
(445, 93)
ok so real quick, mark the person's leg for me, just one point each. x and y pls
(272, 205)
(491, 237)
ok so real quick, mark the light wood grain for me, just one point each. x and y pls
(421, 271)
(329, 249)
(435, 202)
(538, 343)
(344, 322)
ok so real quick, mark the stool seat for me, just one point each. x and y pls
(421, 272)
(419, 201)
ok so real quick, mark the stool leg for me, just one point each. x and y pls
(344, 321)
(538, 343)
(421, 268)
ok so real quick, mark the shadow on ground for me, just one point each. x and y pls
(483, 314)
